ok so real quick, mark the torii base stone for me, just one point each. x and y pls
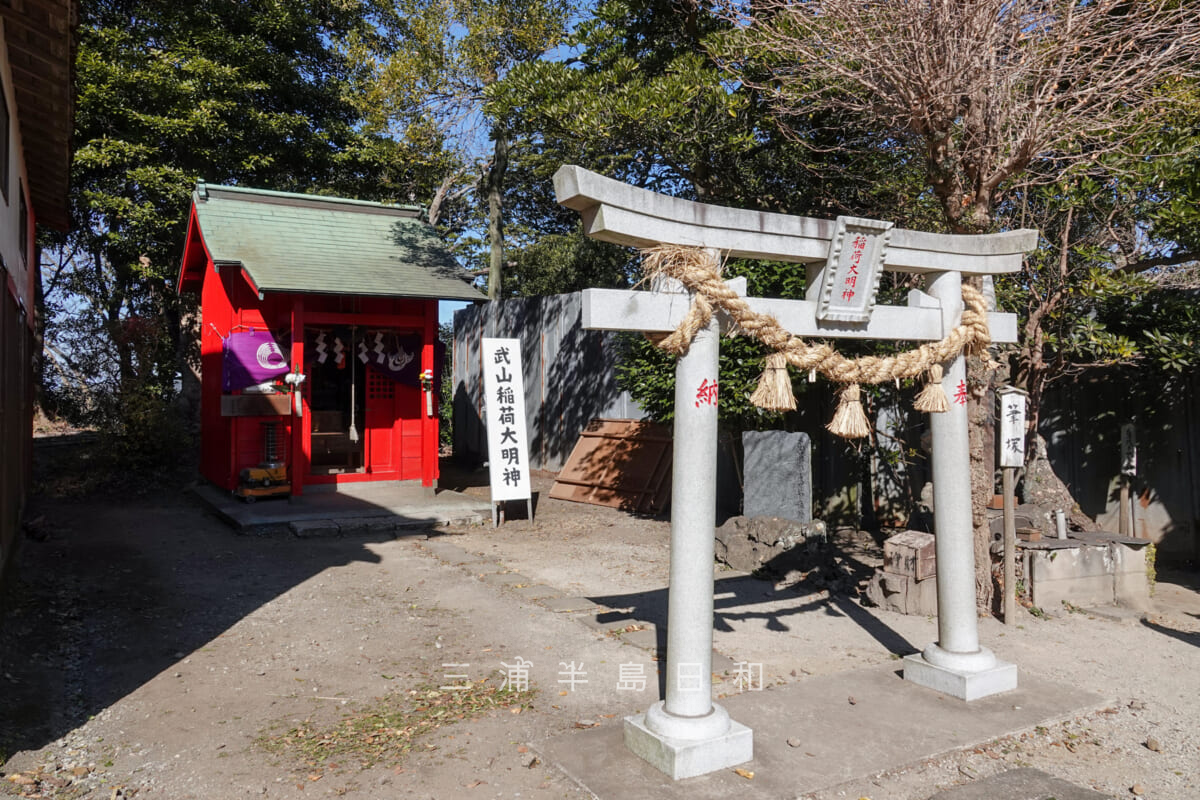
(687, 758)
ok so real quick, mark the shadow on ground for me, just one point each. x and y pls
(111, 591)
(822, 580)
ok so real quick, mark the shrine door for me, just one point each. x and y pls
(393, 428)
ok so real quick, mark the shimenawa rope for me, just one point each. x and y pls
(698, 270)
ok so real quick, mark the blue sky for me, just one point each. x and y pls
(446, 309)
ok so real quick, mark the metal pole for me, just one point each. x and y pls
(957, 646)
(1123, 525)
(688, 711)
(1010, 546)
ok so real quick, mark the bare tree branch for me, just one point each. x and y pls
(988, 86)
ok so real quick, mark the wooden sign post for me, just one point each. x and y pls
(508, 445)
(1012, 458)
(1128, 469)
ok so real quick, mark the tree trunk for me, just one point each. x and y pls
(981, 436)
(1041, 485)
(495, 198)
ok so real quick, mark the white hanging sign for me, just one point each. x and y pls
(504, 410)
(850, 278)
(1128, 449)
(1012, 428)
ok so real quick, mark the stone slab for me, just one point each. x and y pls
(679, 758)
(778, 475)
(893, 724)
(483, 568)
(722, 663)
(968, 686)
(314, 528)
(406, 504)
(647, 638)
(569, 604)
(505, 578)
(536, 592)
(1025, 783)
(446, 550)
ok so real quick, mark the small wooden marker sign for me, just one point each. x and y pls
(1012, 427)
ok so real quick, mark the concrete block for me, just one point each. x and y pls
(680, 758)
(903, 594)
(778, 475)
(910, 553)
(314, 528)
(1081, 575)
(956, 683)
(1131, 588)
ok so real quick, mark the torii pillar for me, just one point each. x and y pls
(687, 734)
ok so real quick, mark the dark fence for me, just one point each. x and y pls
(569, 375)
(1082, 427)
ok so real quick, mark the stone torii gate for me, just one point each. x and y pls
(687, 734)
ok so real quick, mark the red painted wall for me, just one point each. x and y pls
(230, 444)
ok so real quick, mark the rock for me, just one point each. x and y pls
(750, 543)
(1153, 744)
(794, 742)
(1137, 789)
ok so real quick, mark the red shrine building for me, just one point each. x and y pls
(318, 344)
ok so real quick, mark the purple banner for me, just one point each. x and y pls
(251, 357)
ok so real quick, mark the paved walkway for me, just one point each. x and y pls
(808, 735)
(354, 508)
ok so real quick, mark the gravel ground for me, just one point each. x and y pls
(1144, 743)
(148, 649)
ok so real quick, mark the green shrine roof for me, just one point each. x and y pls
(289, 242)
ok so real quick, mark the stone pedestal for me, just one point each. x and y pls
(726, 744)
(970, 683)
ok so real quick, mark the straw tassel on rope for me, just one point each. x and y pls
(774, 392)
(698, 270)
(850, 421)
(932, 398)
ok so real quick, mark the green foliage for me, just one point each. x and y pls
(648, 373)
(253, 92)
(446, 56)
